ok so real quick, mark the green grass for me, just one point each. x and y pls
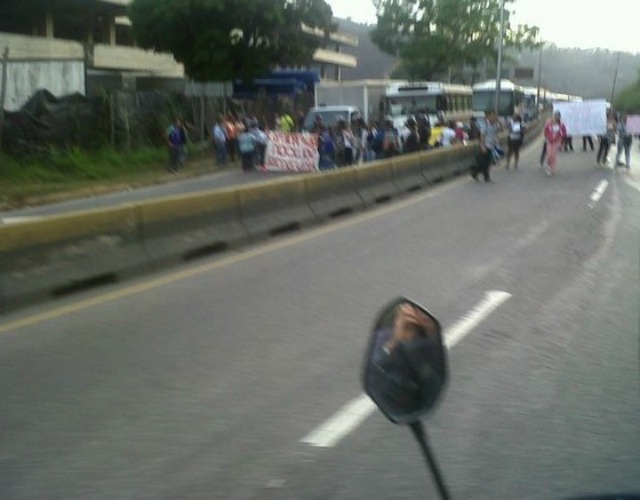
(70, 172)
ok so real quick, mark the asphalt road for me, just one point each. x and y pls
(206, 382)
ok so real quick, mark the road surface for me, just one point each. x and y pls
(238, 377)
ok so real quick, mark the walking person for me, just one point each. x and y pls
(412, 142)
(554, 132)
(488, 143)
(231, 135)
(219, 140)
(247, 147)
(348, 143)
(177, 142)
(567, 144)
(516, 138)
(624, 144)
(543, 155)
(326, 148)
(587, 139)
(606, 140)
(370, 133)
(260, 142)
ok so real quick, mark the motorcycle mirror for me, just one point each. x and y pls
(405, 367)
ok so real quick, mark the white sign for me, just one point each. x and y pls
(583, 118)
(633, 124)
(291, 152)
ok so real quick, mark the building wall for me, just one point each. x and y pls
(26, 77)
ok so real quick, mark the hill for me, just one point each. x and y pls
(587, 73)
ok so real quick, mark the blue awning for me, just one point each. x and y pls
(279, 82)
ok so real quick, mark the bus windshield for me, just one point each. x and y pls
(412, 105)
(484, 100)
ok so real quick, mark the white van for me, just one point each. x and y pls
(330, 115)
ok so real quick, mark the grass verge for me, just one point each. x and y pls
(73, 173)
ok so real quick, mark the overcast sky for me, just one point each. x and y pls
(612, 24)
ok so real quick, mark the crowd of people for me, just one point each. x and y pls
(234, 135)
(345, 144)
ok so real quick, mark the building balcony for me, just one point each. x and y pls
(100, 56)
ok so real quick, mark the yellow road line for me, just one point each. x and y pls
(223, 262)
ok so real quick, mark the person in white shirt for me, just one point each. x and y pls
(448, 136)
(516, 137)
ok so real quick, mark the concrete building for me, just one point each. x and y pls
(69, 46)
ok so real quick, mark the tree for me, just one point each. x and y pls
(433, 36)
(225, 39)
(628, 100)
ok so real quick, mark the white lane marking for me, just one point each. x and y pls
(18, 220)
(347, 419)
(350, 416)
(599, 191)
(492, 300)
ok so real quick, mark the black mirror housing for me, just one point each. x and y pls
(405, 368)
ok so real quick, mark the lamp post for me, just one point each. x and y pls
(499, 65)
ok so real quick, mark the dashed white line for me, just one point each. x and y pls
(473, 318)
(350, 416)
(18, 220)
(599, 191)
(341, 424)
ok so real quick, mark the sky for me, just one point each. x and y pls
(612, 24)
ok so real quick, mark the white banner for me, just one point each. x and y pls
(291, 152)
(583, 118)
(633, 124)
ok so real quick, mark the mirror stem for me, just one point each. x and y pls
(421, 437)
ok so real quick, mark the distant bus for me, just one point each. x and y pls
(550, 97)
(435, 99)
(530, 105)
(510, 101)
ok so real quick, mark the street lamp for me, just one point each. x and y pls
(499, 65)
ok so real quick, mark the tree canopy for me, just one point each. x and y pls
(628, 100)
(432, 36)
(225, 39)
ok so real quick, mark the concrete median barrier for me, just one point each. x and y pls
(374, 182)
(57, 255)
(407, 172)
(181, 228)
(54, 256)
(274, 207)
(443, 163)
(331, 194)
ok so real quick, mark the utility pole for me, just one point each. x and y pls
(615, 80)
(499, 65)
(539, 79)
(3, 90)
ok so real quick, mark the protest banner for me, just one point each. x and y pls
(633, 124)
(583, 118)
(287, 152)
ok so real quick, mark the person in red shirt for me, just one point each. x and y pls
(231, 132)
(554, 133)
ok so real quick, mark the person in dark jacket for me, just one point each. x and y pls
(412, 142)
(177, 142)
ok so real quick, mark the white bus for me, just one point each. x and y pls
(510, 101)
(530, 106)
(437, 100)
